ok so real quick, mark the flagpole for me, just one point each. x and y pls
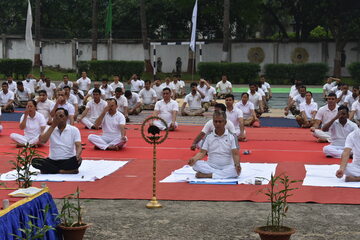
(193, 37)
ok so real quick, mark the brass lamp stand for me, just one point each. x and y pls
(153, 139)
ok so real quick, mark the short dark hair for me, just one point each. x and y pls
(104, 80)
(343, 107)
(147, 81)
(118, 89)
(230, 96)
(166, 89)
(65, 76)
(96, 90)
(19, 83)
(356, 87)
(63, 109)
(221, 106)
(43, 91)
(112, 100)
(33, 102)
(252, 84)
(302, 86)
(66, 87)
(332, 95)
(245, 93)
(193, 84)
(128, 93)
(309, 92)
(4, 83)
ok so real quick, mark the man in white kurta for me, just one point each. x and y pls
(148, 96)
(93, 110)
(166, 109)
(222, 149)
(109, 91)
(135, 83)
(49, 87)
(194, 101)
(351, 170)
(323, 116)
(84, 83)
(235, 116)
(223, 87)
(134, 102)
(65, 147)
(22, 95)
(113, 128)
(308, 110)
(116, 83)
(65, 82)
(339, 128)
(33, 124)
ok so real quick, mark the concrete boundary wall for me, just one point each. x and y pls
(62, 52)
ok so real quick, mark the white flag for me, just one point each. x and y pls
(28, 34)
(193, 30)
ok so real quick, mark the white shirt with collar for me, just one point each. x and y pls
(111, 124)
(233, 116)
(121, 103)
(328, 86)
(63, 84)
(324, 114)
(72, 99)
(69, 107)
(109, 91)
(24, 95)
(166, 109)
(356, 107)
(170, 85)
(308, 108)
(352, 141)
(208, 92)
(255, 99)
(133, 100)
(209, 127)
(136, 85)
(194, 101)
(62, 144)
(79, 100)
(349, 100)
(148, 96)
(224, 87)
(219, 149)
(95, 109)
(33, 125)
(338, 132)
(4, 98)
(49, 89)
(158, 90)
(12, 86)
(178, 85)
(116, 85)
(101, 90)
(246, 109)
(338, 94)
(30, 84)
(45, 108)
(84, 83)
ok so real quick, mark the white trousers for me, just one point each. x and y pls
(103, 142)
(88, 122)
(228, 171)
(322, 135)
(333, 151)
(160, 125)
(21, 139)
(352, 169)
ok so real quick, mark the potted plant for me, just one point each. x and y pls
(277, 193)
(72, 227)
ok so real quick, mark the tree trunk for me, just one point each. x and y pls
(146, 47)
(191, 62)
(37, 34)
(339, 48)
(94, 31)
(226, 31)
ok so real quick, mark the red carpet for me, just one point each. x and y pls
(289, 147)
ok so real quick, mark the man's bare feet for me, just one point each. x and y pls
(352, 179)
(203, 175)
(74, 171)
(321, 141)
(113, 148)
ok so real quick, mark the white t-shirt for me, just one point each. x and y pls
(136, 85)
(194, 101)
(219, 149)
(84, 83)
(79, 100)
(349, 100)
(224, 87)
(209, 127)
(33, 125)
(111, 124)
(63, 84)
(324, 114)
(292, 91)
(109, 91)
(339, 133)
(4, 98)
(356, 107)
(255, 99)
(170, 85)
(69, 107)
(308, 108)
(208, 92)
(62, 145)
(133, 100)
(233, 116)
(166, 109)
(12, 86)
(328, 86)
(121, 103)
(101, 90)
(72, 99)
(179, 85)
(148, 96)
(24, 95)
(45, 108)
(30, 84)
(299, 100)
(158, 90)
(116, 85)
(352, 141)
(95, 109)
(49, 90)
(338, 94)
(246, 109)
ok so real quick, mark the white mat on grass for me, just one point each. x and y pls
(324, 176)
(90, 170)
(249, 172)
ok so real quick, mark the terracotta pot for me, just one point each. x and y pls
(73, 233)
(266, 233)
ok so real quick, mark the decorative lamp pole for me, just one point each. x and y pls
(153, 137)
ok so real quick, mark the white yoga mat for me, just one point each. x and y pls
(324, 176)
(89, 171)
(249, 172)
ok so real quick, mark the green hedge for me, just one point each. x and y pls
(236, 72)
(309, 73)
(98, 69)
(354, 69)
(15, 66)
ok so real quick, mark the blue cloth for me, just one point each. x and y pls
(17, 218)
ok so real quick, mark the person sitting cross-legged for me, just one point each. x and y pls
(93, 110)
(113, 128)
(339, 128)
(134, 102)
(65, 147)
(235, 116)
(33, 123)
(194, 101)
(222, 149)
(248, 110)
(166, 109)
(308, 110)
(351, 170)
(22, 95)
(148, 96)
(7, 98)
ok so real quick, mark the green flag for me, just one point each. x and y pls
(108, 27)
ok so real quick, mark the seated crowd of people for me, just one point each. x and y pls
(51, 112)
